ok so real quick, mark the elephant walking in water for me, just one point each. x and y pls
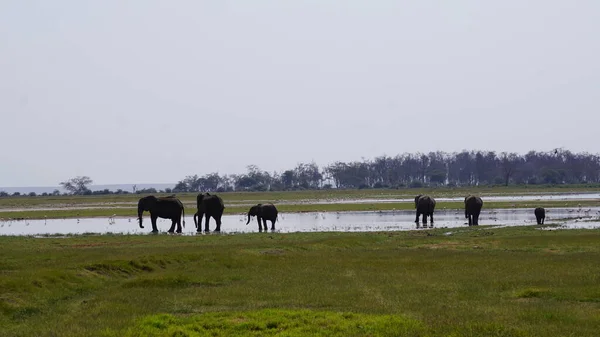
(208, 206)
(540, 215)
(162, 207)
(425, 205)
(263, 212)
(473, 207)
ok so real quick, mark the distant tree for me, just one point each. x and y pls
(188, 184)
(16, 194)
(181, 186)
(288, 179)
(32, 194)
(56, 192)
(508, 165)
(77, 185)
(437, 177)
(211, 182)
(3, 194)
(254, 180)
(101, 192)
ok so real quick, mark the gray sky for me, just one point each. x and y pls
(145, 91)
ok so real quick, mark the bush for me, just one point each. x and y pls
(416, 184)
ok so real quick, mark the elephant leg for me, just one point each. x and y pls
(218, 221)
(470, 221)
(199, 228)
(172, 229)
(431, 216)
(273, 224)
(153, 220)
(179, 229)
(476, 219)
(259, 223)
(264, 221)
(425, 219)
(417, 218)
(544, 218)
(206, 223)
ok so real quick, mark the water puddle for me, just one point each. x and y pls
(308, 222)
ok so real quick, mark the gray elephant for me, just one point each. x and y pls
(473, 207)
(263, 212)
(208, 206)
(162, 207)
(425, 205)
(540, 215)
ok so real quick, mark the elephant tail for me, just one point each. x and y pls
(196, 221)
(183, 216)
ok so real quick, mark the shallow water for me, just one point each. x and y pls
(307, 222)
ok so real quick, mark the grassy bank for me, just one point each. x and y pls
(516, 281)
(278, 196)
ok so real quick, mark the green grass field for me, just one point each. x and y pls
(518, 281)
(289, 201)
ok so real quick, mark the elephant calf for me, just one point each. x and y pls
(263, 212)
(540, 215)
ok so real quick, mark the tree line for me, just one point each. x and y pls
(466, 168)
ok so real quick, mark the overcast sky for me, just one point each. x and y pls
(145, 91)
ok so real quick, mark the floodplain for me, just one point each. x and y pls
(328, 273)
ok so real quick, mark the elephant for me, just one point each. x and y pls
(425, 205)
(162, 207)
(473, 207)
(263, 212)
(209, 206)
(540, 215)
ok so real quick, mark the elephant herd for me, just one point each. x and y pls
(211, 206)
(207, 206)
(425, 206)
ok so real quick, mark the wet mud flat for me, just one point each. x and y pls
(366, 221)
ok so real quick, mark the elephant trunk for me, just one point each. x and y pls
(140, 219)
(248, 218)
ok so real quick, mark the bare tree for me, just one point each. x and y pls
(77, 185)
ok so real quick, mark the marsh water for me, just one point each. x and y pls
(309, 222)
